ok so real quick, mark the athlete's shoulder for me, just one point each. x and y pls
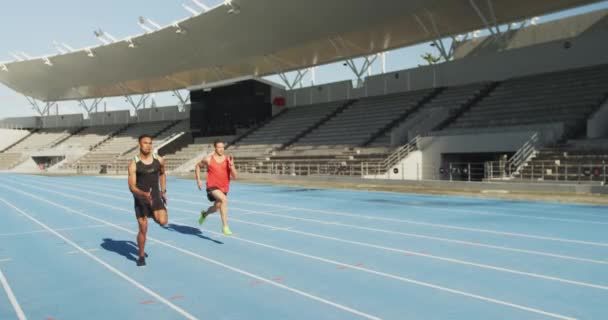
(160, 159)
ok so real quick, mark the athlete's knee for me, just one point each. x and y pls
(163, 221)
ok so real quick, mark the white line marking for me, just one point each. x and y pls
(77, 251)
(6, 260)
(469, 211)
(107, 266)
(456, 261)
(11, 297)
(413, 235)
(445, 259)
(251, 275)
(413, 222)
(532, 252)
(399, 278)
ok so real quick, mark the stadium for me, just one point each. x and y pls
(467, 183)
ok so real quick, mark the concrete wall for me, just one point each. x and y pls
(121, 117)
(597, 125)
(336, 91)
(158, 114)
(410, 168)
(63, 121)
(22, 122)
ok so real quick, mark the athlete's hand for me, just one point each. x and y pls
(148, 196)
(231, 161)
(199, 184)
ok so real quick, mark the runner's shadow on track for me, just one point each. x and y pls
(190, 230)
(127, 249)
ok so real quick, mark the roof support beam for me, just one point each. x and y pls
(181, 106)
(43, 110)
(366, 67)
(92, 107)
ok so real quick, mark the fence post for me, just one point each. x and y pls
(469, 168)
(450, 168)
(542, 170)
(532, 175)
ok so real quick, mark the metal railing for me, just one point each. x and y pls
(400, 153)
(524, 153)
(550, 170)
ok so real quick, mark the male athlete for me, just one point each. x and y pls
(220, 169)
(148, 183)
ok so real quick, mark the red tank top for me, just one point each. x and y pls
(218, 175)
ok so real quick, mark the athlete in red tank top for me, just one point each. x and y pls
(218, 174)
(220, 170)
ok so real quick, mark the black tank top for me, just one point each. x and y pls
(148, 175)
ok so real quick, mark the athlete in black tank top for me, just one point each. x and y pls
(147, 182)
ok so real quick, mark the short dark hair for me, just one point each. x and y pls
(217, 141)
(143, 136)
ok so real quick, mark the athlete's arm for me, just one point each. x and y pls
(163, 178)
(197, 171)
(133, 183)
(231, 167)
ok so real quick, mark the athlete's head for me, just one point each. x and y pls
(145, 144)
(219, 147)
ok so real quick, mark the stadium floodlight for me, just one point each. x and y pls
(59, 47)
(233, 8)
(100, 37)
(63, 47)
(144, 26)
(142, 23)
(27, 57)
(47, 61)
(104, 37)
(16, 56)
(89, 52)
(178, 28)
(194, 12)
(201, 5)
(534, 21)
(130, 42)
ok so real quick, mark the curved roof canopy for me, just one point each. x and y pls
(257, 38)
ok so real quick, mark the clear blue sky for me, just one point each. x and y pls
(31, 26)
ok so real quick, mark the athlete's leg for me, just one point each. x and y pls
(141, 237)
(161, 217)
(220, 198)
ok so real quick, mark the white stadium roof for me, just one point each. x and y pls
(257, 38)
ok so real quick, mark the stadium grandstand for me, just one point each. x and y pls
(504, 105)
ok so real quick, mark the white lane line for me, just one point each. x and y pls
(445, 259)
(11, 297)
(190, 253)
(399, 278)
(179, 310)
(413, 222)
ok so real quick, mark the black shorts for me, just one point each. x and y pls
(210, 196)
(143, 207)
